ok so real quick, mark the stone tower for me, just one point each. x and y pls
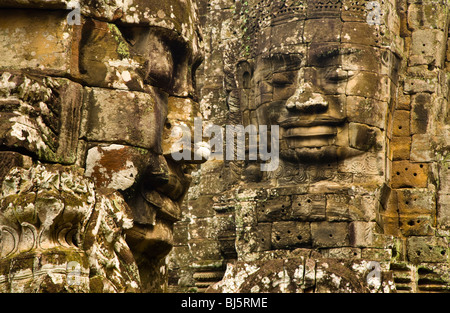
(359, 90)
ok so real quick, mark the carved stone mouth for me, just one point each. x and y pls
(293, 122)
(311, 131)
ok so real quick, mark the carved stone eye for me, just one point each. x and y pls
(281, 80)
(338, 75)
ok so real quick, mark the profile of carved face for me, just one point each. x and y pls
(102, 96)
(324, 76)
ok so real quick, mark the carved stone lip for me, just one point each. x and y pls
(292, 122)
(311, 131)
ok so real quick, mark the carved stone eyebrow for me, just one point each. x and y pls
(336, 52)
(286, 62)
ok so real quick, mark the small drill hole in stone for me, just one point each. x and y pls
(299, 237)
(415, 174)
(278, 238)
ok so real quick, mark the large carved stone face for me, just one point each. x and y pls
(326, 82)
(102, 95)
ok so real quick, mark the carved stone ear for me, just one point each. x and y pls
(244, 74)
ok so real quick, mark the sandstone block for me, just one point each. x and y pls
(406, 174)
(41, 115)
(427, 249)
(274, 209)
(400, 148)
(289, 34)
(376, 254)
(444, 177)
(329, 234)
(427, 47)
(416, 225)
(417, 211)
(180, 233)
(361, 136)
(368, 84)
(106, 59)
(104, 117)
(443, 211)
(358, 33)
(314, 30)
(367, 111)
(338, 207)
(310, 207)
(42, 41)
(203, 249)
(401, 125)
(290, 234)
(426, 15)
(418, 85)
(361, 233)
(264, 236)
(422, 148)
(420, 104)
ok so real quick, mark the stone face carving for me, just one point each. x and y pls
(362, 106)
(89, 191)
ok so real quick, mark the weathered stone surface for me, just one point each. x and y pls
(401, 123)
(443, 215)
(329, 234)
(106, 122)
(290, 234)
(408, 174)
(41, 42)
(427, 249)
(303, 274)
(361, 233)
(383, 86)
(426, 47)
(87, 189)
(89, 137)
(309, 207)
(420, 104)
(41, 115)
(400, 148)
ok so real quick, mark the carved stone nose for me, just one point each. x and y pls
(307, 101)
